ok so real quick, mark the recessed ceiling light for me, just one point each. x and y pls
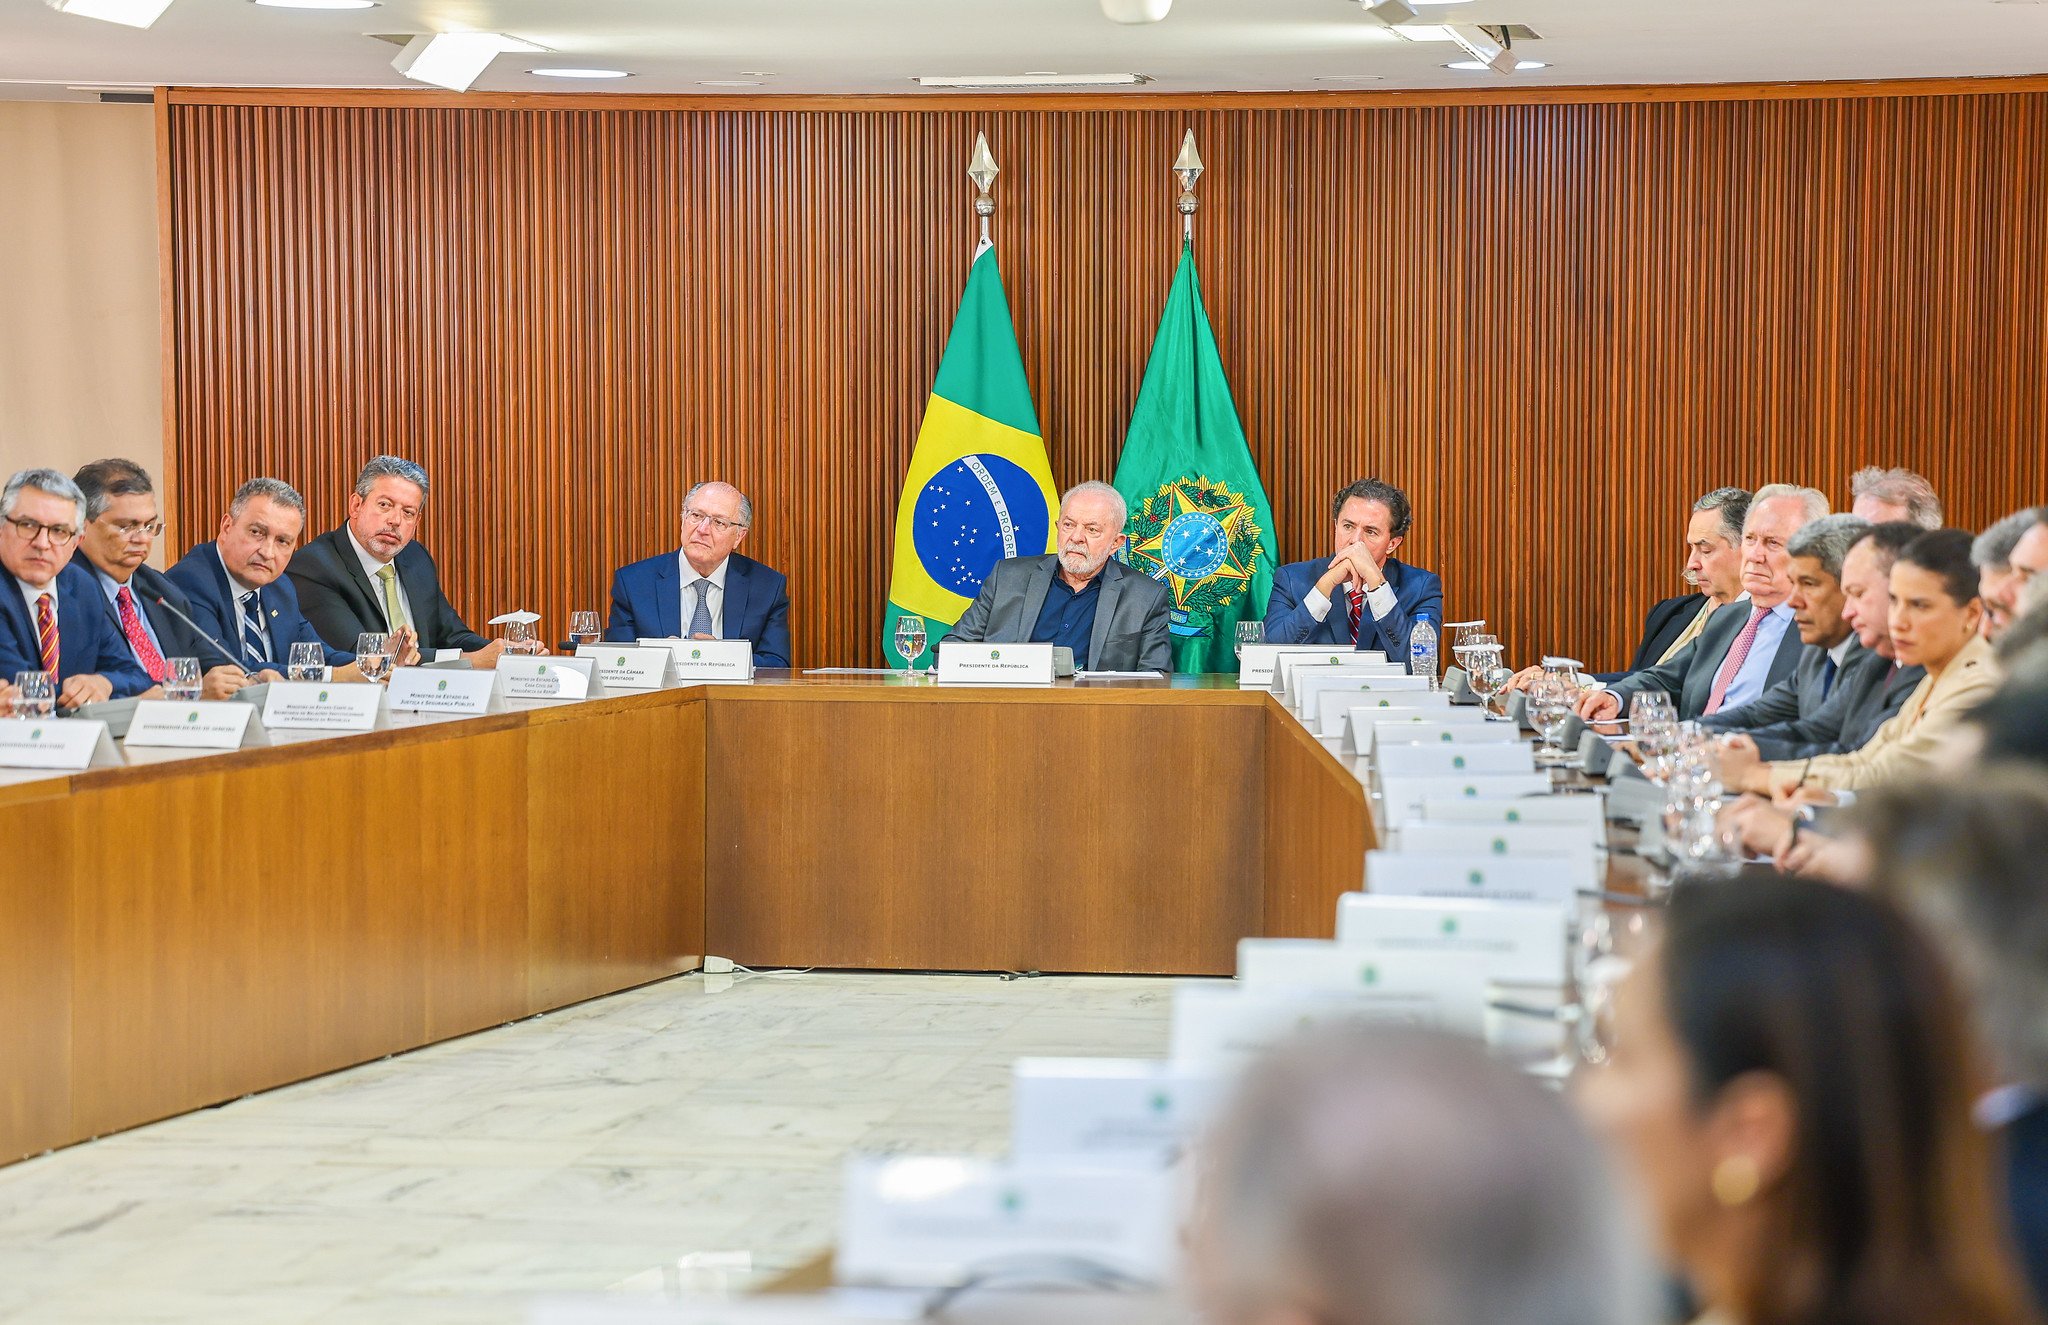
(318, 4)
(128, 13)
(1032, 80)
(454, 60)
(579, 73)
(757, 73)
(1043, 73)
(728, 82)
(1476, 67)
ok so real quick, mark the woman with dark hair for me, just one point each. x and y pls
(1791, 1080)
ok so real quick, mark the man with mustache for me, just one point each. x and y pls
(50, 617)
(1112, 617)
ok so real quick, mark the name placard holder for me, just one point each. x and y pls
(1397, 986)
(548, 678)
(1457, 757)
(1510, 942)
(1130, 1110)
(322, 706)
(631, 666)
(68, 745)
(709, 659)
(1548, 880)
(1258, 663)
(962, 663)
(440, 690)
(1401, 798)
(223, 725)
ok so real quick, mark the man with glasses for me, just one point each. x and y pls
(706, 589)
(122, 521)
(371, 576)
(52, 620)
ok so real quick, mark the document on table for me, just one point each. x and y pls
(1116, 676)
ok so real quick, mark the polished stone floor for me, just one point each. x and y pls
(658, 1140)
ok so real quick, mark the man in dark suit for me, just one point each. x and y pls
(1361, 596)
(1713, 566)
(122, 521)
(50, 618)
(1114, 619)
(706, 589)
(1746, 647)
(370, 576)
(238, 589)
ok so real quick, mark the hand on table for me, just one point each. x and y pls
(405, 647)
(1740, 765)
(486, 658)
(1521, 680)
(85, 688)
(1798, 796)
(222, 682)
(1599, 706)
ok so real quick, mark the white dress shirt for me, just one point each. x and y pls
(235, 591)
(689, 595)
(371, 567)
(30, 593)
(1379, 602)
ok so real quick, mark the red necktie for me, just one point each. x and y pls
(1357, 597)
(138, 638)
(1738, 653)
(46, 632)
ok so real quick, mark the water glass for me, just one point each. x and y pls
(308, 662)
(35, 694)
(583, 629)
(1250, 632)
(373, 655)
(181, 680)
(1550, 708)
(910, 638)
(519, 637)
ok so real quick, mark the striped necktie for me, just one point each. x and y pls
(254, 652)
(146, 652)
(1738, 653)
(46, 633)
(1357, 597)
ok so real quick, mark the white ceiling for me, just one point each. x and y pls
(869, 46)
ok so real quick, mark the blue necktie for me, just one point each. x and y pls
(700, 620)
(1827, 676)
(253, 648)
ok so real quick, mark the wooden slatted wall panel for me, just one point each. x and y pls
(1553, 323)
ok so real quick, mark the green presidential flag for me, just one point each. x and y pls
(979, 487)
(1199, 520)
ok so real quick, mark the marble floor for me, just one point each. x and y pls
(659, 1140)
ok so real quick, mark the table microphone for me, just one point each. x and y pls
(163, 602)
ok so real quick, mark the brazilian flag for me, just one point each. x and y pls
(979, 487)
(1199, 520)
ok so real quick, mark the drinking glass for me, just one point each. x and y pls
(1488, 678)
(35, 694)
(1653, 725)
(519, 637)
(1470, 644)
(373, 655)
(181, 681)
(1550, 708)
(1250, 632)
(308, 662)
(583, 629)
(910, 635)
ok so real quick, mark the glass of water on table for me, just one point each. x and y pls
(373, 655)
(308, 662)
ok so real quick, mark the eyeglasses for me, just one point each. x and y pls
(61, 535)
(128, 529)
(717, 522)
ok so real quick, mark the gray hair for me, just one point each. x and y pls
(391, 466)
(103, 480)
(746, 507)
(1813, 502)
(1993, 548)
(1733, 504)
(273, 489)
(1095, 487)
(1406, 1178)
(42, 480)
(1899, 487)
(1827, 540)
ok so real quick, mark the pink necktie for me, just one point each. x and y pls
(1738, 653)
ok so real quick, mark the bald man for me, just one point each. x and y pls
(705, 589)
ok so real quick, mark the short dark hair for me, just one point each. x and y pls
(103, 480)
(1386, 494)
(1733, 505)
(1889, 539)
(1946, 553)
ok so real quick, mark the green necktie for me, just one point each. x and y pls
(394, 612)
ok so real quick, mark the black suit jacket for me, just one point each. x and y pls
(2026, 1186)
(1665, 622)
(341, 602)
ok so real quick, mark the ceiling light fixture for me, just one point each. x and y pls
(318, 4)
(1473, 66)
(1482, 45)
(1136, 11)
(1033, 80)
(1424, 31)
(454, 60)
(128, 13)
(579, 73)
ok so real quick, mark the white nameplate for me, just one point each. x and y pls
(926, 1221)
(1446, 837)
(1586, 811)
(1127, 1110)
(1362, 711)
(547, 678)
(1454, 758)
(222, 725)
(1367, 676)
(962, 663)
(1322, 656)
(630, 667)
(1334, 707)
(61, 743)
(1549, 880)
(1454, 992)
(1258, 663)
(1219, 1026)
(1510, 942)
(322, 706)
(439, 690)
(1401, 798)
(1313, 684)
(709, 659)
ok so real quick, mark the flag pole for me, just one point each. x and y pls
(1188, 166)
(982, 169)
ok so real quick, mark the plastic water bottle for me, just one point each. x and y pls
(1422, 651)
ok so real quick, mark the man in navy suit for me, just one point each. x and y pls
(1361, 596)
(238, 589)
(50, 617)
(706, 590)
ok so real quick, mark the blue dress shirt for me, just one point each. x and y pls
(1753, 677)
(1068, 617)
(112, 589)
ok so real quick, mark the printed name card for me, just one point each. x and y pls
(1439, 727)
(1362, 711)
(322, 706)
(1257, 664)
(548, 678)
(1449, 996)
(1126, 1110)
(1401, 797)
(1325, 656)
(1449, 836)
(1315, 685)
(1586, 811)
(1549, 880)
(927, 1221)
(1509, 942)
(222, 725)
(1221, 1025)
(439, 690)
(1453, 758)
(64, 744)
(995, 664)
(630, 666)
(1334, 707)
(709, 659)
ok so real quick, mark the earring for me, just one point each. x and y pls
(1736, 1180)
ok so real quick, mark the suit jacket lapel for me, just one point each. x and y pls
(1035, 590)
(668, 601)
(418, 580)
(1714, 642)
(19, 621)
(1105, 609)
(738, 588)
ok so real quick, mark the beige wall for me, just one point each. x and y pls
(80, 339)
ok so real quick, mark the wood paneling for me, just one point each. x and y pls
(1318, 830)
(1554, 321)
(35, 976)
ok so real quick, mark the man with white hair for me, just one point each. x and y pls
(1372, 1175)
(1879, 495)
(706, 589)
(52, 617)
(1112, 617)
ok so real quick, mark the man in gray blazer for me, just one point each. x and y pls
(1112, 617)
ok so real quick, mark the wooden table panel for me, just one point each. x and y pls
(35, 969)
(1318, 829)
